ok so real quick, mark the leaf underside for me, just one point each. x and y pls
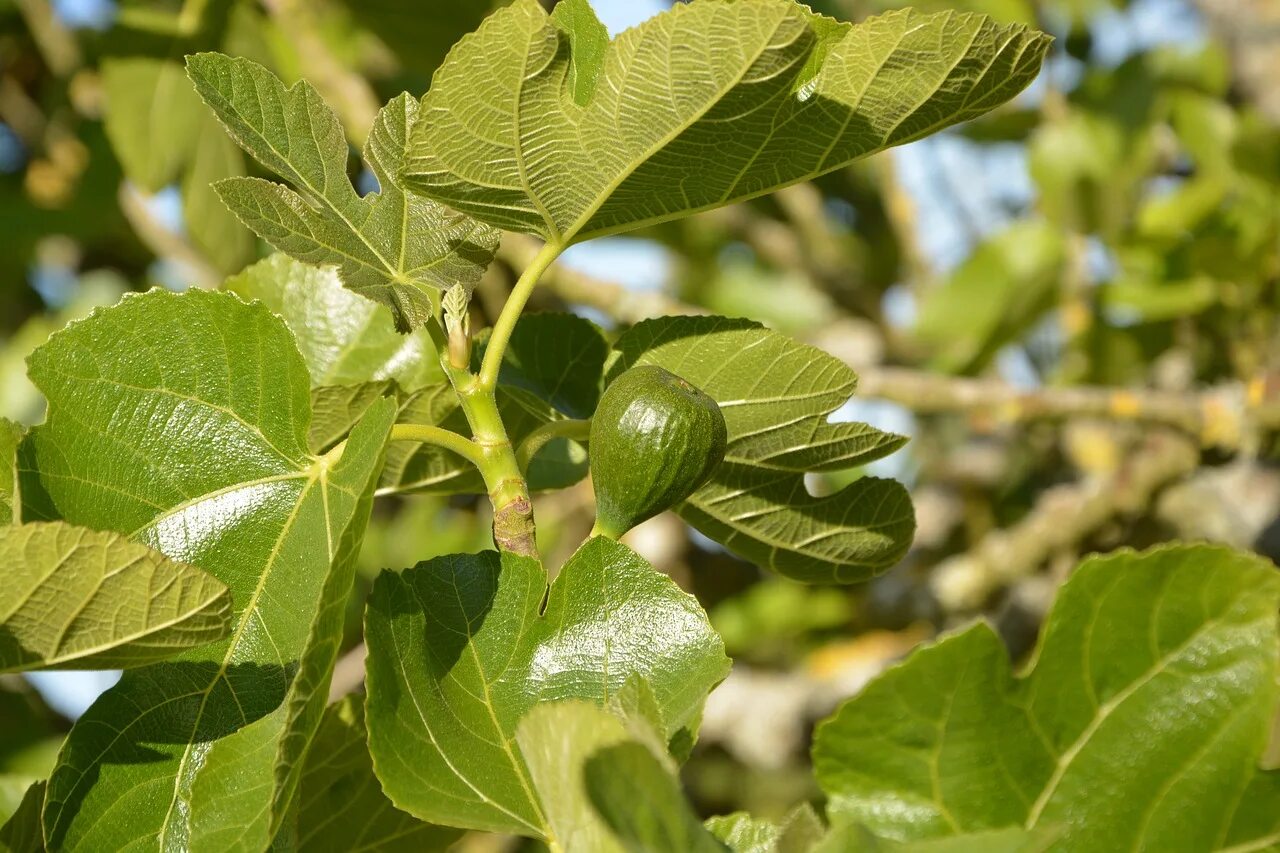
(533, 125)
(84, 599)
(390, 246)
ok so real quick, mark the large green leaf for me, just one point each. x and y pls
(461, 647)
(191, 438)
(776, 395)
(10, 499)
(84, 599)
(529, 125)
(344, 338)
(396, 248)
(1139, 725)
(602, 786)
(341, 808)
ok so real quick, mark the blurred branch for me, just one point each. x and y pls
(900, 208)
(1251, 29)
(56, 43)
(347, 92)
(1225, 416)
(1062, 517)
(163, 242)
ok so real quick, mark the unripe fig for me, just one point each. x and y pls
(654, 440)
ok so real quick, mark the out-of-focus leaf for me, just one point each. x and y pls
(212, 228)
(857, 839)
(798, 832)
(396, 248)
(192, 439)
(153, 118)
(461, 647)
(163, 136)
(10, 499)
(797, 94)
(420, 40)
(1164, 661)
(994, 297)
(21, 832)
(776, 396)
(342, 808)
(1152, 301)
(85, 599)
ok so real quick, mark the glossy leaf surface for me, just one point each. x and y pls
(1167, 658)
(192, 440)
(460, 648)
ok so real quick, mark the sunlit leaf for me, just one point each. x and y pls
(10, 499)
(396, 248)
(602, 787)
(1139, 725)
(192, 440)
(530, 125)
(461, 647)
(344, 338)
(798, 832)
(84, 599)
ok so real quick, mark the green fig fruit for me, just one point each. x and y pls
(654, 440)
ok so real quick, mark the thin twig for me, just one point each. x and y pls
(1062, 517)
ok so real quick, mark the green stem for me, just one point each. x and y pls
(506, 323)
(513, 527)
(578, 430)
(440, 437)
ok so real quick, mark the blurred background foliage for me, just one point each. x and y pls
(1071, 306)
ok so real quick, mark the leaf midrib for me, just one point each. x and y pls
(318, 472)
(1106, 709)
(572, 235)
(634, 224)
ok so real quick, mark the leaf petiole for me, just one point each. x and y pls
(440, 437)
(578, 430)
(506, 322)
